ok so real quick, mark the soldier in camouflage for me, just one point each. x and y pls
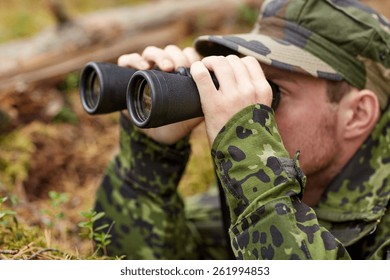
(331, 61)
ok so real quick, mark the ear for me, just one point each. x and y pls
(360, 111)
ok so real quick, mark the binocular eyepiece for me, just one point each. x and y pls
(153, 98)
(103, 87)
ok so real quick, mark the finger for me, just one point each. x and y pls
(245, 85)
(177, 56)
(254, 68)
(159, 57)
(133, 60)
(223, 72)
(258, 78)
(209, 97)
(204, 83)
(191, 54)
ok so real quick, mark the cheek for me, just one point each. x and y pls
(294, 128)
(295, 137)
(310, 132)
(303, 130)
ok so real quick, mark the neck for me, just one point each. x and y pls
(315, 186)
(318, 181)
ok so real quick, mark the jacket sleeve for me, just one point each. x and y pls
(139, 197)
(263, 187)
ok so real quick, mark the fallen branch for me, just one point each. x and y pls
(9, 252)
(40, 252)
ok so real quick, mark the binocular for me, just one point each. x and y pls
(153, 98)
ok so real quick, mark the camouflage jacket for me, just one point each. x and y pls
(263, 188)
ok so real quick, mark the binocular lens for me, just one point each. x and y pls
(93, 90)
(103, 87)
(143, 99)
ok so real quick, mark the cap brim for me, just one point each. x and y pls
(274, 52)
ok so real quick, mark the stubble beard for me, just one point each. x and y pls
(323, 165)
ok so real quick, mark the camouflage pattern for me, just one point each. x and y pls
(295, 35)
(264, 188)
(139, 197)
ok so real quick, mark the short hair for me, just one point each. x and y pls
(336, 90)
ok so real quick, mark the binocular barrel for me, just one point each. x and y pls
(156, 98)
(103, 87)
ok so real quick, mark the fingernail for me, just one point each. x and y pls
(144, 65)
(167, 64)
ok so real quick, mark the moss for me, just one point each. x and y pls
(66, 115)
(16, 150)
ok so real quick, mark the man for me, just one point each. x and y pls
(307, 180)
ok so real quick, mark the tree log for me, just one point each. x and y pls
(104, 35)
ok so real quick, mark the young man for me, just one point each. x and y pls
(308, 180)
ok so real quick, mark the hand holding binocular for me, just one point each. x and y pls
(153, 98)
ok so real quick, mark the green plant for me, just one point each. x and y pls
(16, 238)
(55, 213)
(16, 149)
(66, 115)
(5, 212)
(70, 82)
(96, 235)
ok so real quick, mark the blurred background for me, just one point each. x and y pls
(52, 154)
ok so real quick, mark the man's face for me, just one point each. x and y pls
(307, 121)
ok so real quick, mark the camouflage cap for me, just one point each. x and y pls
(331, 39)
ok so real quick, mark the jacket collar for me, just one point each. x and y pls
(362, 190)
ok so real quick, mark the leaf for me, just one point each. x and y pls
(98, 216)
(85, 224)
(102, 227)
(3, 199)
(4, 213)
(89, 214)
